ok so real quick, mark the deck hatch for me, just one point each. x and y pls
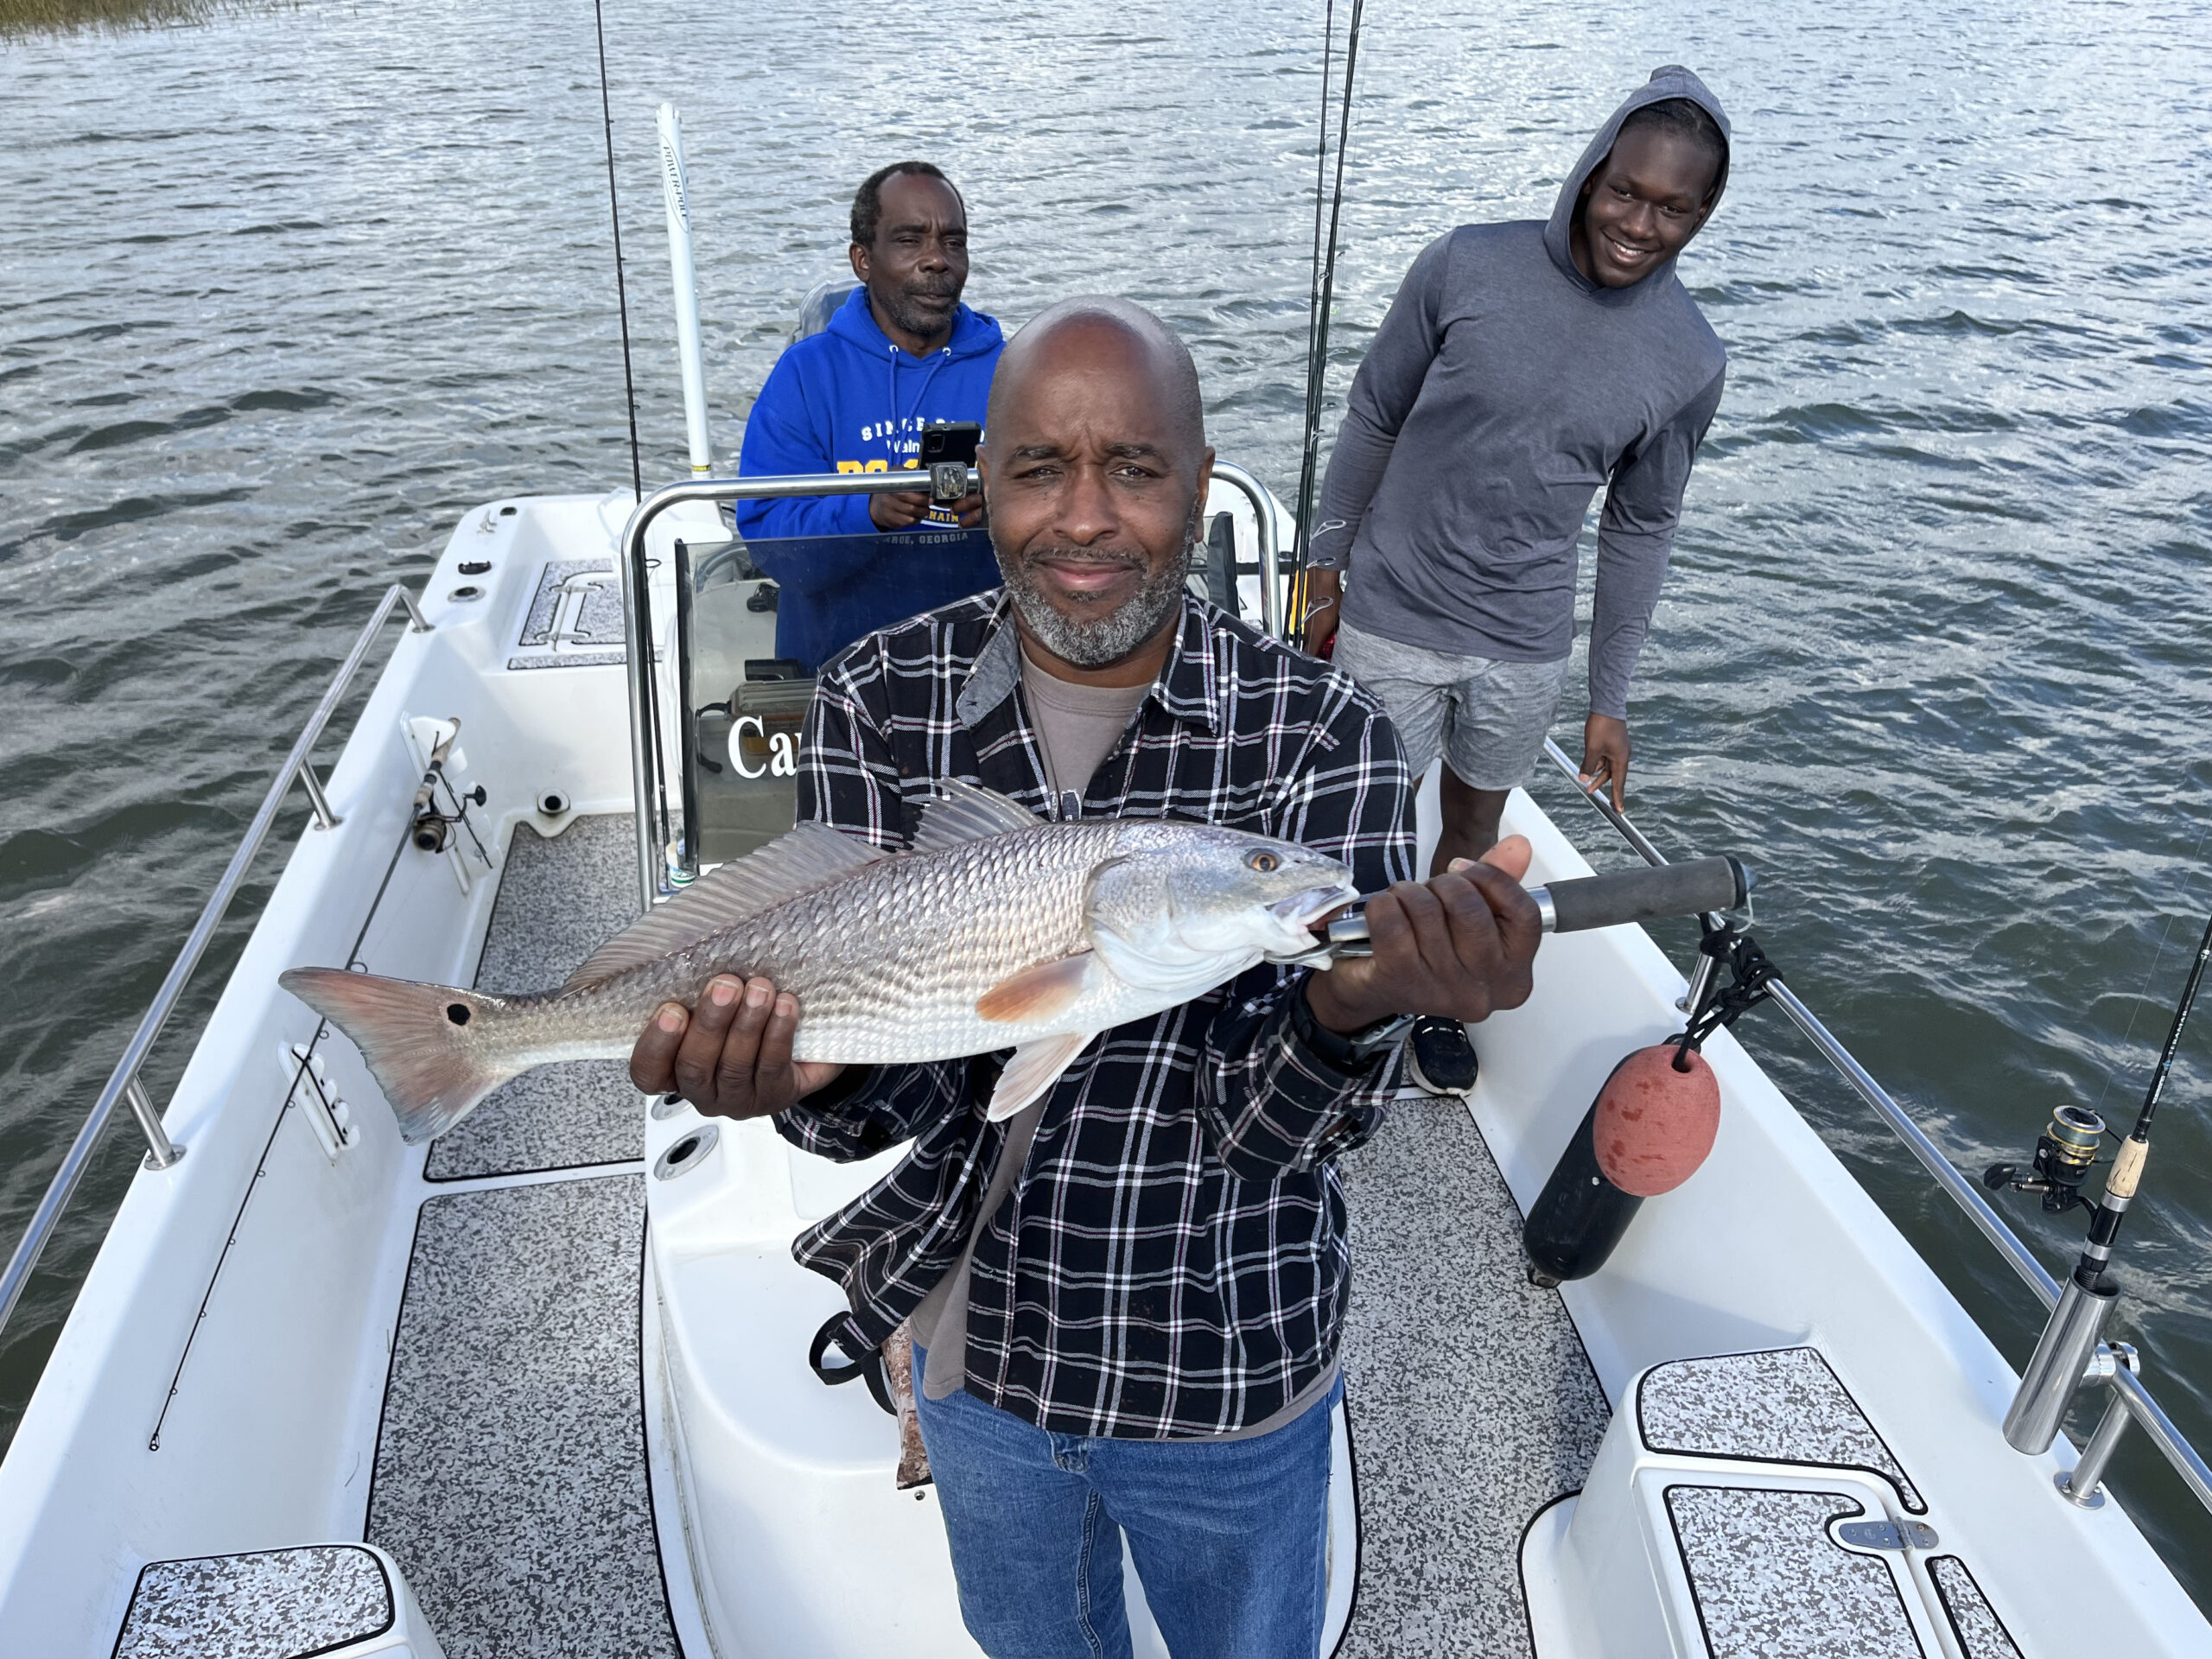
(1768, 1580)
(574, 619)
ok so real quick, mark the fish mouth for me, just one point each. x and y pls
(1299, 914)
(1302, 910)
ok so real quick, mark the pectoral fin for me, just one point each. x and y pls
(1034, 1068)
(1037, 992)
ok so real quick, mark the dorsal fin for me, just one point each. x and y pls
(811, 856)
(964, 812)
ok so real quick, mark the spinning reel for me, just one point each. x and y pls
(432, 829)
(2064, 1152)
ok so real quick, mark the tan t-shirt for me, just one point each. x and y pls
(1077, 725)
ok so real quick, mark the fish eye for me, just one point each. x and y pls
(1262, 861)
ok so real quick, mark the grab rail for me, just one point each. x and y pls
(1270, 577)
(637, 616)
(124, 1084)
(637, 626)
(2145, 1410)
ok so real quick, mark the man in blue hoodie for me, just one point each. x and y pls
(1522, 367)
(902, 354)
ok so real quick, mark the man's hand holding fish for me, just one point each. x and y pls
(733, 1059)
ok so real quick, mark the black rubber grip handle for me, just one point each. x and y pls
(1645, 895)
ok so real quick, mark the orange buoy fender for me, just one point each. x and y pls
(1656, 1124)
(1647, 1132)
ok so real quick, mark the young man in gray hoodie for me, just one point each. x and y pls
(1522, 366)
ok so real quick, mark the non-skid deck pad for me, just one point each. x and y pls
(560, 900)
(272, 1604)
(1779, 1405)
(1472, 1402)
(1768, 1580)
(510, 1480)
(596, 621)
(1973, 1621)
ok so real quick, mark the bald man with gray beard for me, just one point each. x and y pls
(1126, 1302)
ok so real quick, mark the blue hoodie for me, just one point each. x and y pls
(847, 400)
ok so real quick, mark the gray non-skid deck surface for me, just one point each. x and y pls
(560, 900)
(1473, 1404)
(509, 1476)
(271, 1603)
(1768, 1578)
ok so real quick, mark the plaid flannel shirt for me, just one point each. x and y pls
(1173, 1259)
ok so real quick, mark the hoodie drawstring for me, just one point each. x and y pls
(937, 360)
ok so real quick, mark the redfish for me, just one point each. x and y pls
(994, 931)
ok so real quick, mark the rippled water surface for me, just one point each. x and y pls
(282, 297)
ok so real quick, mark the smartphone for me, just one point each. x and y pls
(946, 445)
(950, 441)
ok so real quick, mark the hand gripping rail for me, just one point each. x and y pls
(122, 1083)
(1961, 1191)
(653, 828)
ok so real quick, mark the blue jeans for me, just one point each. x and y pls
(1229, 1537)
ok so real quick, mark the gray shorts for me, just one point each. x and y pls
(1487, 718)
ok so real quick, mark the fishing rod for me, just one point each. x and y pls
(1580, 903)
(1320, 299)
(614, 214)
(2065, 1354)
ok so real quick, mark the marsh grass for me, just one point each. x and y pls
(20, 19)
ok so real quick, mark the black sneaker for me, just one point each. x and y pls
(1441, 1058)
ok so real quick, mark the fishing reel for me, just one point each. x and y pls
(433, 829)
(2064, 1152)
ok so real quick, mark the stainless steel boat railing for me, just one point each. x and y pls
(124, 1084)
(1961, 1191)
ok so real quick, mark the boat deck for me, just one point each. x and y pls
(1471, 1403)
(511, 1477)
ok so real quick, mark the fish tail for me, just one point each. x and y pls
(430, 1047)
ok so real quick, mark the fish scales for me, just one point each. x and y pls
(887, 964)
(998, 932)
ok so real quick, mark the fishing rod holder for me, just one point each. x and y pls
(1725, 940)
(2062, 1361)
(2082, 1484)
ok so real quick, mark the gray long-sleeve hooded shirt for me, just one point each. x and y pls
(1504, 389)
